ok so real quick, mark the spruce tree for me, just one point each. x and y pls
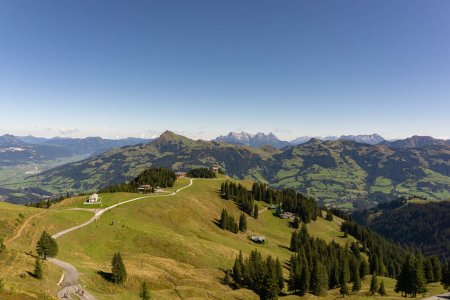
(319, 279)
(382, 290)
(46, 246)
(255, 211)
(2, 285)
(242, 223)
(305, 277)
(419, 285)
(294, 242)
(144, 293)
(329, 216)
(373, 284)
(119, 273)
(38, 272)
(279, 272)
(437, 268)
(226, 278)
(356, 280)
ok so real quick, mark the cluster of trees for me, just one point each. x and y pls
(46, 203)
(238, 193)
(46, 246)
(412, 280)
(201, 173)
(446, 276)
(385, 257)
(304, 207)
(263, 276)
(154, 177)
(317, 266)
(289, 200)
(227, 222)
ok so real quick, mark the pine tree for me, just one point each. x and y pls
(356, 280)
(144, 294)
(38, 272)
(46, 246)
(224, 219)
(437, 269)
(294, 242)
(329, 216)
(305, 277)
(279, 272)
(344, 271)
(255, 211)
(382, 290)
(334, 274)
(270, 285)
(319, 279)
(119, 273)
(2, 286)
(242, 223)
(363, 269)
(373, 284)
(419, 285)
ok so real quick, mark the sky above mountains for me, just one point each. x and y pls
(204, 68)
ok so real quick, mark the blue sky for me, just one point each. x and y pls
(204, 68)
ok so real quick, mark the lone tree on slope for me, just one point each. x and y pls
(144, 294)
(46, 246)
(119, 273)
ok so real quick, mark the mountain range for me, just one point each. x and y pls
(23, 150)
(341, 172)
(260, 139)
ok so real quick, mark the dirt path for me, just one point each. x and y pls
(445, 296)
(21, 229)
(70, 282)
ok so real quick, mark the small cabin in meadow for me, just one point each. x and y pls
(94, 198)
(259, 239)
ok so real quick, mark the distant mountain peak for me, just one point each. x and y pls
(254, 140)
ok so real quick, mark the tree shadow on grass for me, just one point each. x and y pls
(32, 274)
(106, 276)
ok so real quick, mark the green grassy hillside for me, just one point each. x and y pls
(170, 242)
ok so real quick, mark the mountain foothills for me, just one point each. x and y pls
(337, 173)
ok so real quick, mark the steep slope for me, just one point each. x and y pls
(425, 226)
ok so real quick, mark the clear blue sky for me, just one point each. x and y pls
(203, 68)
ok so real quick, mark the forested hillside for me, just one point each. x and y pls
(423, 226)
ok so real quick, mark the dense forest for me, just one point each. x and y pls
(154, 177)
(425, 227)
(201, 173)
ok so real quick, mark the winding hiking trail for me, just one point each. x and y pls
(21, 229)
(70, 281)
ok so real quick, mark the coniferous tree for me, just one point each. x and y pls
(319, 279)
(356, 280)
(329, 216)
(279, 272)
(373, 284)
(382, 290)
(2, 246)
(46, 246)
(270, 285)
(419, 285)
(334, 275)
(255, 211)
(38, 272)
(226, 278)
(343, 290)
(242, 223)
(296, 223)
(294, 242)
(305, 276)
(437, 268)
(363, 269)
(144, 293)
(2, 285)
(119, 273)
